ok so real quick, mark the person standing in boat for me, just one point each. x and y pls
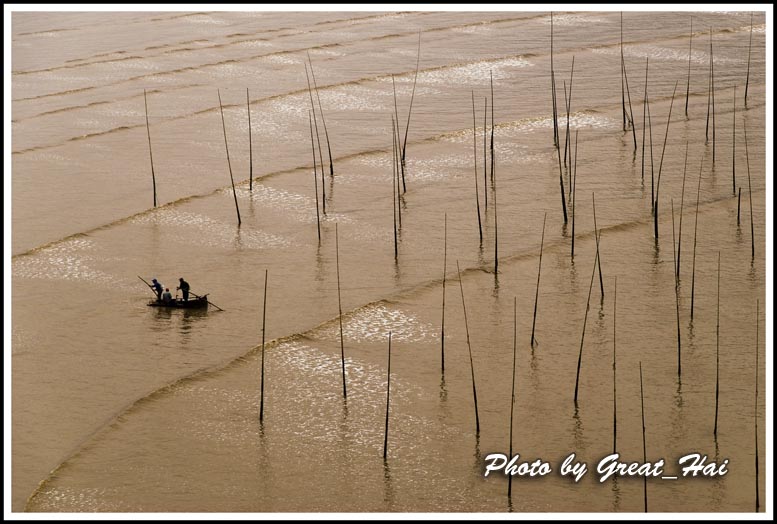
(184, 287)
(157, 287)
(167, 296)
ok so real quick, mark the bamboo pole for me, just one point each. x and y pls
(340, 308)
(318, 139)
(475, 157)
(150, 155)
(537, 292)
(315, 177)
(661, 163)
(734, 146)
(597, 235)
(553, 86)
(614, 390)
(573, 184)
(496, 223)
(469, 347)
(491, 74)
(485, 160)
(397, 170)
(561, 183)
(393, 187)
(264, 316)
(224, 127)
(444, 271)
(712, 79)
(688, 83)
(569, 106)
(652, 164)
(750, 192)
(644, 115)
(623, 91)
(749, 50)
(512, 390)
(250, 146)
(644, 444)
(323, 120)
(585, 320)
(388, 392)
(409, 111)
(676, 297)
(739, 204)
(695, 228)
(631, 111)
(709, 96)
(755, 417)
(682, 200)
(717, 356)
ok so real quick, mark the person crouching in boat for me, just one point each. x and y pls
(184, 287)
(167, 297)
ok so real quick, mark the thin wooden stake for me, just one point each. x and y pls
(717, 355)
(250, 146)
(264, 316)
(750, 192)
(388, 392)
(150, 155)
(644, 444)
(614, 389)
(695, 228)
(469, 347)
(223, 125)
(537, 292)
(315, 177)
(688, 83)
(475, 149)
(340, 308)
(512, 390)
(323, 120)
(444, 271)
(585, 320)
(661, 163)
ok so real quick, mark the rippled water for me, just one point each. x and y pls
(122, 407)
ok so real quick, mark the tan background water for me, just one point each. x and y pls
(137, 409)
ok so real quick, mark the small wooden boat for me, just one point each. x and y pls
(195, 303)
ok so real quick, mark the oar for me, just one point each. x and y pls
(209, 302)
(149, 285)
